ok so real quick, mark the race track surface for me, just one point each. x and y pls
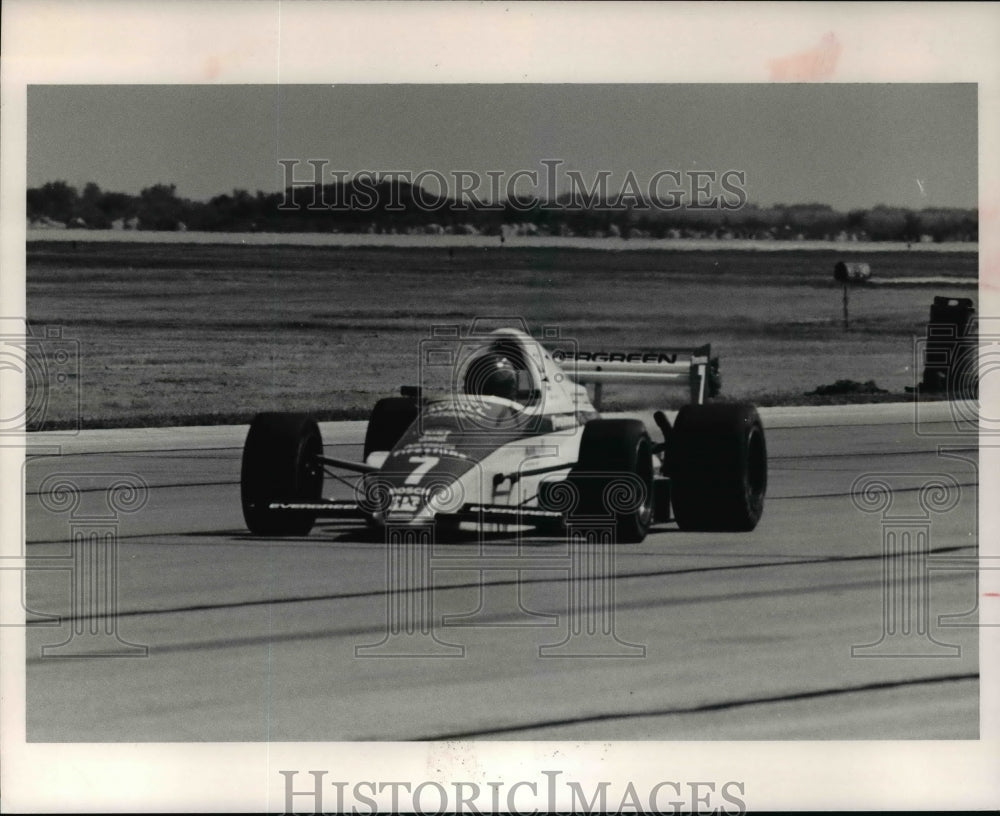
(806, 628)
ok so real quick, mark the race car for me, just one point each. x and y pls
(513, 438)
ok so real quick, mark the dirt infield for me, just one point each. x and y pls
(172, 334)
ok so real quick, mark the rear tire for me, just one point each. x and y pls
(611, 449)
(717, 463)
(280, 463)
(389, 420)
(551, 529)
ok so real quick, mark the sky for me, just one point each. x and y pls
(846, 145)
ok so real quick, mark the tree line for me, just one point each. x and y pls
(396, 207)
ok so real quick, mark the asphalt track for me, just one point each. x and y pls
(802, 629)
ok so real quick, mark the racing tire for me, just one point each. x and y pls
(389, 420)
(717, 463)
(280, 463)
(551, 529)
(611, 449)
(447, 529)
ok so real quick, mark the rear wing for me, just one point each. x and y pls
(691, 367)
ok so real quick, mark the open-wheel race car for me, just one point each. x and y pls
(513, 438)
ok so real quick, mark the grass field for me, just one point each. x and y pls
(173, 334)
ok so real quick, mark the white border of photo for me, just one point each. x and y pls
(317, 42)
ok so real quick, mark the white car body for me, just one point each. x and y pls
(485, 458)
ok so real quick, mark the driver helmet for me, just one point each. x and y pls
(493, 376)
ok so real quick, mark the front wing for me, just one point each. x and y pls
(474, 512)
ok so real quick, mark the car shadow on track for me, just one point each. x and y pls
(355, 534)
(463, 537)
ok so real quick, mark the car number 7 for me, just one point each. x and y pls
(424, 463)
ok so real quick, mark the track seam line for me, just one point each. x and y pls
(706, 707)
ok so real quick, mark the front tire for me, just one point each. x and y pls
(614, 476)
(280, 462)
(717, 463)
